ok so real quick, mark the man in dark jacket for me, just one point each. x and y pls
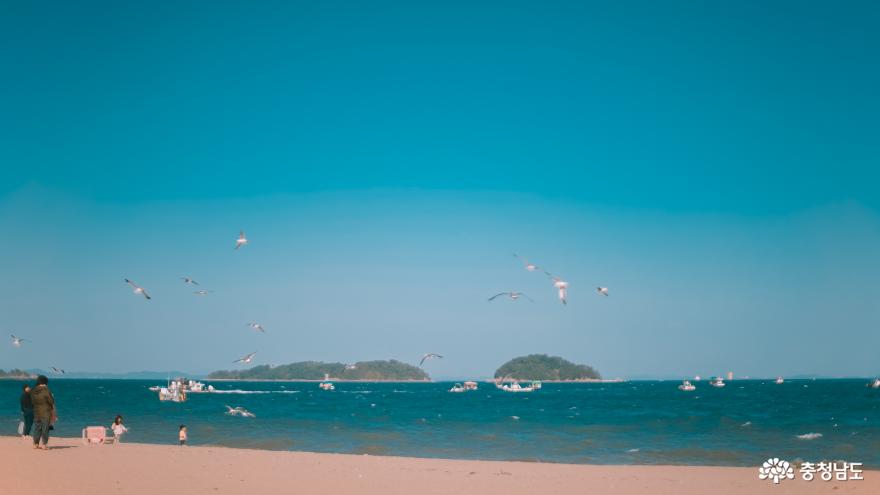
(27, 410)
(44, 412)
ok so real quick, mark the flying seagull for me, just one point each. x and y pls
(17, 341)
(241, 241)
(239, 411)
(513, 295)
(560, 284)
(529, 266)
(202, 292)
(247, 359)
(257, 327)
(603, 291)
(57, 371)
(189, 281)
(429, 355)
(137, 289)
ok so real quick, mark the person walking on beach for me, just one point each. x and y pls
(118, 429)
(44, 412)
(181, 435)
(27, 410)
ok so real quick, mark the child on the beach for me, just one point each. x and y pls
(182, 435)
(118, 429)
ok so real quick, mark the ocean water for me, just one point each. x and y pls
(641, 422)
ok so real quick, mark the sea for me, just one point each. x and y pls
(636, 422)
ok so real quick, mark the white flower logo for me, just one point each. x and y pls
(776, 469)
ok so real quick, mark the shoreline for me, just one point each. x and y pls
(141, 469)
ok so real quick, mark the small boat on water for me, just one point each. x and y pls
(459, 388)
(875, 383)
(687, 386)
(515, 387)
(717, 382)
(779, 380)
(326, 386)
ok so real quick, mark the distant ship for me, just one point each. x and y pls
(717, 382)
(687, 386)
(779, 380)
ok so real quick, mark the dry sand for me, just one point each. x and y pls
(71, 468)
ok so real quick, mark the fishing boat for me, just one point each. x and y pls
(185, 385)
(326, 386)
(467, 387)
(537, 385)
(515, 387)
(875, 383)
(779, 380)
(687, 386)
(717, 381)
(173, 392)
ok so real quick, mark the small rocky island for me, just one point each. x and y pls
(16, 374)
(546, 368)
(316, 370)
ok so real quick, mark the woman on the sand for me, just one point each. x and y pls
(44, 412)
(27, 410)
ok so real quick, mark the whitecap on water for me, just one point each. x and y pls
(809, 436)
(632, 451)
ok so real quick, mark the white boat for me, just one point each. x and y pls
(687, 386)
(467, 387)
(779, 380)
(326, 386)
(536, 385)
(717, 382)
(875, 383)
(514, 387)
(185, 386)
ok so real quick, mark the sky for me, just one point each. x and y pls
(715, 164)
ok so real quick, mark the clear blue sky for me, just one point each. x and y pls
(715, 164)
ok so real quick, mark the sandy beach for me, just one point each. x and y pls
(71, 468)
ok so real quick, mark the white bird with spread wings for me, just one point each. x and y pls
(241, 241)
(239, 411)
(429, 355)
(137, 289)
(561, 285)
(17, 341)
(529, 266)
(247, 359)
(512, 294)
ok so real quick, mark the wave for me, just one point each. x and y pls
(809, 436)
(239, 391)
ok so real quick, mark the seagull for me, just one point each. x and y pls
(241, 241)
(17, 341)
(57, 371)
(429, 355)
(202, 292)
(247, 359)
(603, 291)
(257, 327)
(137, 289)
(560, 284)
(513, 295)
(239, 411)
(529, 266)
(189, 281)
